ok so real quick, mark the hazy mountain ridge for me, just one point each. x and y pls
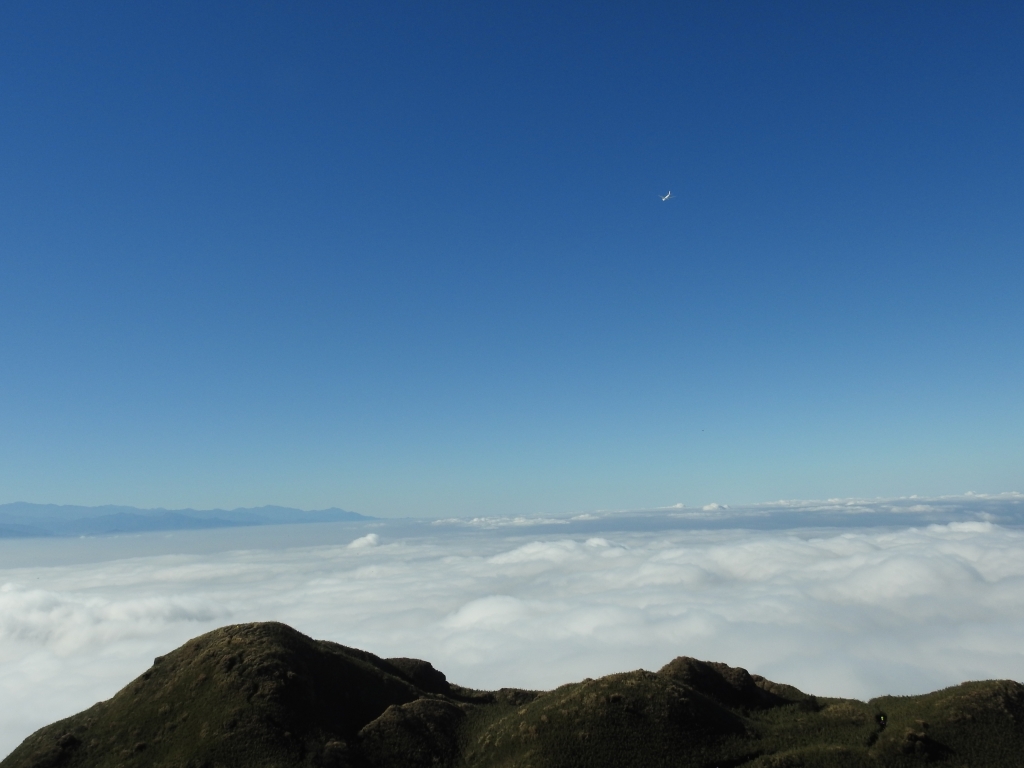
(23, 519)
(264, 694)
(1004, 509)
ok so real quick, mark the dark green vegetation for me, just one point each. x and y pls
(265, 695)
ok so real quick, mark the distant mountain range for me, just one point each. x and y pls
(262, 695)
(22, 519)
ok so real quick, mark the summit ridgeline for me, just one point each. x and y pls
(256, 695)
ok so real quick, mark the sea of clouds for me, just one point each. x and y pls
(845, 609)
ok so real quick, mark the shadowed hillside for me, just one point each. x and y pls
(266, 695)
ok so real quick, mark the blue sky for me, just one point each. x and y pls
(411, 260)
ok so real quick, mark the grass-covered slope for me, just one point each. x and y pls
(252, 695)
(266, 695)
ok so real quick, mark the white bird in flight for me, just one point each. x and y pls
(666, 197)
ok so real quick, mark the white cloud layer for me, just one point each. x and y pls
(836, 612)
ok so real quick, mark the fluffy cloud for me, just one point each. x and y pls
(369, 540)
(852, 612)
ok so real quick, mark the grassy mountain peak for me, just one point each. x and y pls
(266, 695)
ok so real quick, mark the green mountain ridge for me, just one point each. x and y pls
(266, 695)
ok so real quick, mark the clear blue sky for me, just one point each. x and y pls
(410, 259)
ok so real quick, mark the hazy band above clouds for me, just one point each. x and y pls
(24, 520)
(843, 611)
